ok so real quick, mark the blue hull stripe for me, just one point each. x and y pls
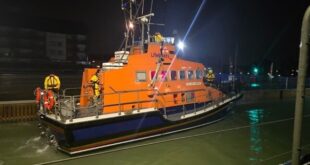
(117, 128)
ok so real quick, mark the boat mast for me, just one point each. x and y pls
(148, 25)
(132, 9)
(131, 22)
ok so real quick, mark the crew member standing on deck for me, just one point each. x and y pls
(95, 85)
(210, 76)
(158, 37)
(51, 86)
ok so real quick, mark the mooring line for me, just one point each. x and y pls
(169, 140)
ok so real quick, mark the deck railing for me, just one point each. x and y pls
(68, 106)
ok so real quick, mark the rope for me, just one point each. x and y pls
(174, 139)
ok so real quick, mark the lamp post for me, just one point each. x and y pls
(300, 91)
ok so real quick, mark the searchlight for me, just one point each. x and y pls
(181, 45)
(131, 26)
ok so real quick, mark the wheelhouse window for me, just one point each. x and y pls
(152, 74)
(182, 74)
(190, 74)
(198, 74)
(173, 75)
(163, 75)
(141, 76)
(190, 96)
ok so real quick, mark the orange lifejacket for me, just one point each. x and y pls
(38, 94)
(49, 100)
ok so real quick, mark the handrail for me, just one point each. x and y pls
(74, 99)
(183, 91)
(127, 91)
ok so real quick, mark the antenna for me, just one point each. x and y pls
(144, 20)
(148, 25)
(131, 10)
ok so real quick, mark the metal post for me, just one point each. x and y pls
(286, 82)
(300, 91)
(142, 37)
(195, 105)
(138, 101)
(73, 108)
(59, 106)
(131, 19)
(183, 106)
(165, 112)
(235, 68)
(119, 104)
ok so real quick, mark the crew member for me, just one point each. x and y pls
(94, 80)
(210, 76)
(158, 37)
(52, 82)
(51, 86)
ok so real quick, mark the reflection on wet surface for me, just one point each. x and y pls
(255, 117)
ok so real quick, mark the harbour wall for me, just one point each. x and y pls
(25, 110)
(254, 96)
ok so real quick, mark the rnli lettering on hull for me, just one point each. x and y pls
(193, 83)
(161, 55)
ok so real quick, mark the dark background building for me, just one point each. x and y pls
(30, 43)
(42, 40)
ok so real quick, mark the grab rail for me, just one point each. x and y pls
(72, 102)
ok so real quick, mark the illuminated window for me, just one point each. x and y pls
(173, 75)
(163, 75)
(190, 96)
(190, 74)
(140, 76)
(152, 75)
(182, 75)
(198, 74)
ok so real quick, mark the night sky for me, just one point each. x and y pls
(260, 31)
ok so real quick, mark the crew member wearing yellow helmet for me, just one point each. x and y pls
(158, 37)
(210, 75)
(94, 80)
(51, 86)
(52, 82)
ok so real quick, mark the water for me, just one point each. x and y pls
(248, 143)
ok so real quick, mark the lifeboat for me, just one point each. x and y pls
(146, 90)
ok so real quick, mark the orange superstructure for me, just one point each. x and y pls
(129, 86)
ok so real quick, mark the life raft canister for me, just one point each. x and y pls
(49, 100)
